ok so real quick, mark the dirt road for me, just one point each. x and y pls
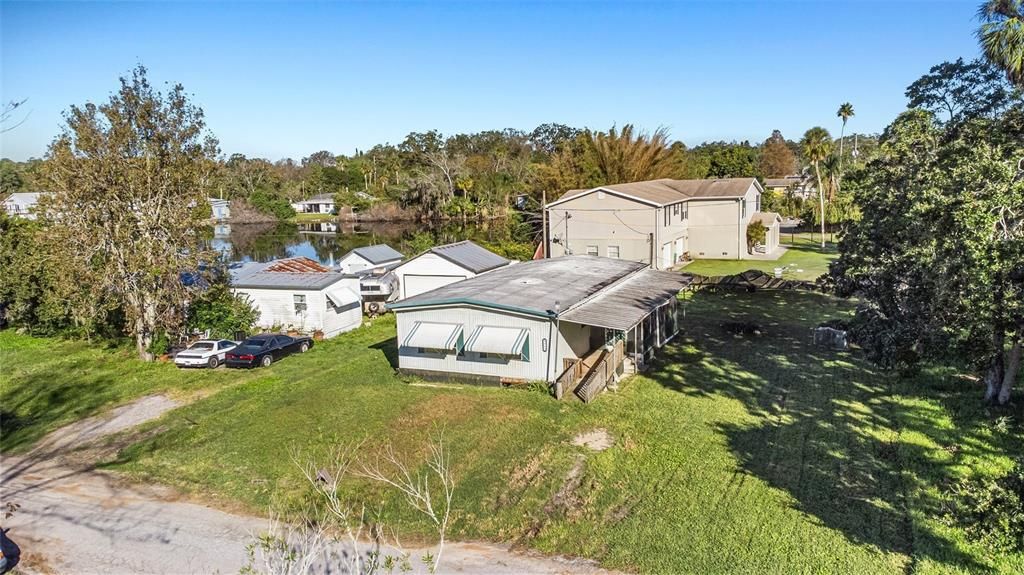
(74, 519)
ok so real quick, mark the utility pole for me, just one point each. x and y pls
(544, 222)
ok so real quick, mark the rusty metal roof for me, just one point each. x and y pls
(296, 265)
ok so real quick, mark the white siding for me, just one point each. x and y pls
(429, 271)
(352, 263)
(546, 356)
(277, 309)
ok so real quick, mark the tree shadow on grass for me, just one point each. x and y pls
(389, 347)
(832, 431)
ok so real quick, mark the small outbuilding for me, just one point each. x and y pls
(368, 258)
(300, 294)
(443, 265)
(579, 322)
(220, 210)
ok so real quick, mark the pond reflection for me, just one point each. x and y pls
(326, 242)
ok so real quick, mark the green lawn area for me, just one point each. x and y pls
(804, 260)
(312, 217)
(734, 454)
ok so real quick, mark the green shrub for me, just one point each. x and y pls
(221, 312)
(160, 345)
(270, 204)
(990, 510)
(756, 234)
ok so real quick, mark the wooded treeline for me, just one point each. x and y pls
(474, 176)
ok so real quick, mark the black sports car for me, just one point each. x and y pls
(264, 349)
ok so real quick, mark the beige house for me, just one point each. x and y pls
(660, 222)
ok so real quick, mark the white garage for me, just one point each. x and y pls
(444, 265)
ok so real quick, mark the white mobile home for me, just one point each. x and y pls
(558, 320)
(444, 265)
(300, 294)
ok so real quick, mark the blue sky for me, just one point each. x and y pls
(287, 79)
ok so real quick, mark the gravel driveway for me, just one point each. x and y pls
(74, 519)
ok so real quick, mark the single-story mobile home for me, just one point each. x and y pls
(300, 294)
(576, 321)
(442, 265)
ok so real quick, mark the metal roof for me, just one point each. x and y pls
(276, 275)
(296, 265)
(666, 191)
(378, 253)
(470, 256)
(624, 305)
(533, 287)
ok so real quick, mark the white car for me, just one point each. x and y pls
(204, 353)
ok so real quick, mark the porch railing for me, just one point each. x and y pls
(601, 373)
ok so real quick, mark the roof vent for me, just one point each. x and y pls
(529, 281)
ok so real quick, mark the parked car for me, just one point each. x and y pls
(264, 349)
(205, 353)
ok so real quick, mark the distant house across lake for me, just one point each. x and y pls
(220, 210)
(22, 204)
(319, 204)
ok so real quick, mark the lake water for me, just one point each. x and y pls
(327, 241)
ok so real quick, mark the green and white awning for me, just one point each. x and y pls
(435, 335)
(511, 341)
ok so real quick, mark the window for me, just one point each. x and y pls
(300, 303)
(420, 350)
(482, 355)
(613, 251)
(685, 212)
(675, 209)
(592, 251)
(743, 209)
(757, 203)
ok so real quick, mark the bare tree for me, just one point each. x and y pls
(7, 112)
(340, 535)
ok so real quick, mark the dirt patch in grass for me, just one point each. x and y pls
(594, 440)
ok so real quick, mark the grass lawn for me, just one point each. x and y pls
(804, 260)
(313, 217)
(734, 454)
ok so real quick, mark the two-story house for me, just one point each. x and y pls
(660, 222)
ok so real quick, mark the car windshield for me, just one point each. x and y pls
(201, 346)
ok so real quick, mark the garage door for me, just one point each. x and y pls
(417, 284)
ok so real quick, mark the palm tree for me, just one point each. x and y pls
(1001, 36)
(816, 146)
(629, 156)
(845, 112)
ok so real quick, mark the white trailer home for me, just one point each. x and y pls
(300, 294)
(443, 265)
(576, 321)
